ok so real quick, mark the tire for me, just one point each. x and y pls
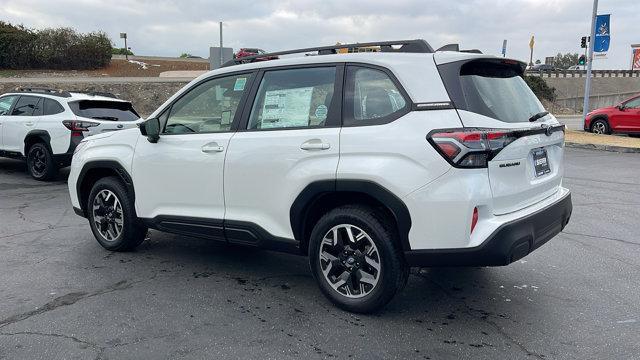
(108, 202)
(40, 164)
(354, 258)
(600, 126)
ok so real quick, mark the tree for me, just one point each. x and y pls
(185, 55)
(121, 51)
(540, 88)
(564, 61)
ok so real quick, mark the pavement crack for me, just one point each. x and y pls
(69, 337)
(602, 237)
(64, 300)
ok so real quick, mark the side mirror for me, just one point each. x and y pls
(151, 129)
(621, 107)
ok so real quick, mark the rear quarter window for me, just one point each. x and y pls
(52, 107)
(104, 110)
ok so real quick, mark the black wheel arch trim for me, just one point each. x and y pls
(42, 135)
(103, 164)
(313, 192)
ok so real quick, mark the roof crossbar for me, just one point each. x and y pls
(96, 93)
(406, 46)
(48, 91)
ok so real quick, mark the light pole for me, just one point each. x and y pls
(587, 84)
(126, 49)
(221, 57)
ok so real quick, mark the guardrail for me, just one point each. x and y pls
(583, 73)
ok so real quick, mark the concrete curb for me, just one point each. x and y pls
(620, 149)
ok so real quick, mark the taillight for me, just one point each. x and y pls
(474, 219)
(470, 148)
(77, 127)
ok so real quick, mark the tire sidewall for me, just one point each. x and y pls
(50, 166)
(387, 281)
(125, 240)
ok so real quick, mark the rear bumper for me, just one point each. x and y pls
(510, 242)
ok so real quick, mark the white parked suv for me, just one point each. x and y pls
(44, 126)
(368, 163)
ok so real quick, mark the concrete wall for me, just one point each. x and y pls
(605, 91)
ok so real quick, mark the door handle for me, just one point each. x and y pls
(28, 124)
(212, 147)
(315, 144)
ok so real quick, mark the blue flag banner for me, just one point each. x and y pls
(603, 34)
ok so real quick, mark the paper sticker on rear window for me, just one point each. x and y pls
(240, 83)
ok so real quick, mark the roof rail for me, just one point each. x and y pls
(48, 91)
(456, 47)
(96, 93)
(449, 47)
(406, 46)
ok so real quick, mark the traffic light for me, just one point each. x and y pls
(583, 42)
(582, 60)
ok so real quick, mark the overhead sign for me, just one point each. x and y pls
(123, 35)
(603, 34)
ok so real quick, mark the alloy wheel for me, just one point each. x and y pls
(350, 261)
(107, 215)
(38, 162)
(599, 128)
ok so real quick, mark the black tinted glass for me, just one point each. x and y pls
(25, 106)
(104, 110)
(52, 107)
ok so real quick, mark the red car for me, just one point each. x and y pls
(244, 52)
(621, 118)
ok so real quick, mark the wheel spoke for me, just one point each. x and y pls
(365, 277)
(350, 234)
(373, 263)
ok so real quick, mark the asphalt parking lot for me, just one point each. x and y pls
(63, 297)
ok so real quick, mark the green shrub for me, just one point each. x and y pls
(121, 51)
(60, 49)
(540, 88)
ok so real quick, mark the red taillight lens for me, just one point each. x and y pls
(474, 219)
(470, 148)
(77, 126)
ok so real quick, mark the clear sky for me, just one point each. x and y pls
(171, 27)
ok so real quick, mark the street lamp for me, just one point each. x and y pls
(126, 49)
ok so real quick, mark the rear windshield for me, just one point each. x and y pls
(492, 89)
(104, 110)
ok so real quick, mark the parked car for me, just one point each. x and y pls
(621, 118)
(245, 52)
(542, 67)
(576, 67)
(43, 126)
(368, 163)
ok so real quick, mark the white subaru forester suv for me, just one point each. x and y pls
(368, 163)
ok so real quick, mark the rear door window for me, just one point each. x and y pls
(295, 98)
(26, 106)
(104, 110)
